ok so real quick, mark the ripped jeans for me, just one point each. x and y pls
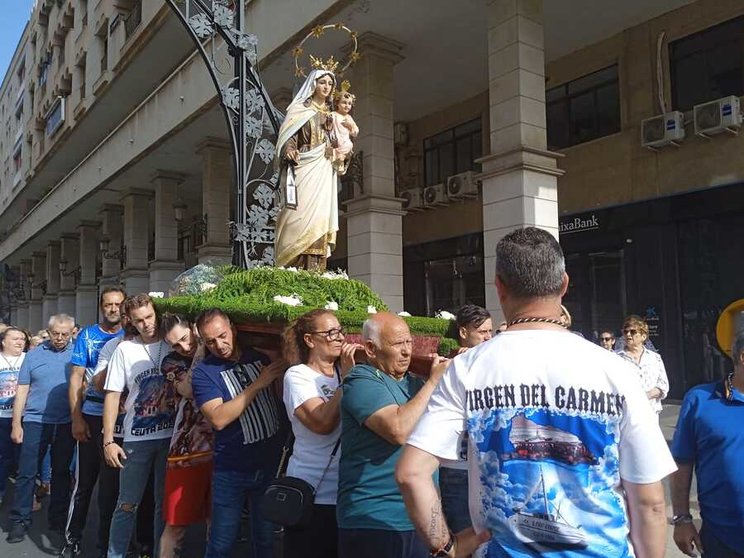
(142, 457)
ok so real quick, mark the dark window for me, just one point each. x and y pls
(708, 65)
(584, 109)
(452, 152)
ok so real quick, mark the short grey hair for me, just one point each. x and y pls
(530, 263)
(371, 331)
(738, 347)
(61, 319)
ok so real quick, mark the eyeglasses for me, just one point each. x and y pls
(607, 338)
(631, 332)
(331, 334)
(61, 334)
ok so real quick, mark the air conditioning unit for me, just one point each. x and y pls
(435, 195)
(665, 129)
(463, 185)
(413, 199)
(722, 115)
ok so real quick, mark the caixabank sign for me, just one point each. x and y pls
(585, 223)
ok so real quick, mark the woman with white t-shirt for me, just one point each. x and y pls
(315, 344)
(13, 343)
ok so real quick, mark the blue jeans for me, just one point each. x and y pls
(8, 453)
(142, 458)
(376, 543)
(229, 491)
(37, 438)
(453, 484)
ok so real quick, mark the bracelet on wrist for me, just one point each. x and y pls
(681, 518)
(107, 444)
(444, 550)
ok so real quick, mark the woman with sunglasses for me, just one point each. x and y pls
(321, 358)
(648, 363)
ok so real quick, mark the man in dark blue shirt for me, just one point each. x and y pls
(710, 439)
(230, 387)
(41, 403)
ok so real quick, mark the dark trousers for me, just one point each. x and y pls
(714, 548)
(37, 437)
(8, 453)
(374, 543)
(317, 540)
(453, 486)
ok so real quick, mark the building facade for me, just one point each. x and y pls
(474, 120)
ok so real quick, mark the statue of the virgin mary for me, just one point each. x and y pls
(307, 224)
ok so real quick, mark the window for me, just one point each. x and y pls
(452, 152)
(44, 68)
(708, 65)
(55, 117)
(104, 53)
(584, 109)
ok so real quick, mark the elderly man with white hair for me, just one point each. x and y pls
(41, 419)
(382, 403)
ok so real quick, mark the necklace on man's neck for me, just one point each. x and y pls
(12, 365)
(536, 320)
(160, 348)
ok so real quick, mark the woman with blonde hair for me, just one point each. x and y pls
(648, 363)
(316, 347)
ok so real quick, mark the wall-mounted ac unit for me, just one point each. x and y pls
(413, 199)
(665, 129)
(721, 115)
(463, 185)
(435, 195)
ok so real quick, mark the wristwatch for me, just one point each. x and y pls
(444, 551)
(681, 518)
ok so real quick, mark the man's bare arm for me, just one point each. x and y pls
(647, 514)
(686, 535)
(414, 476)
(80, 429)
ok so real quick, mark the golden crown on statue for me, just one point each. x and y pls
(330, 64)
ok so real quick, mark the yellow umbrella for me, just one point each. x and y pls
(730, 322)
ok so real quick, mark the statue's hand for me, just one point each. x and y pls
(292, 155)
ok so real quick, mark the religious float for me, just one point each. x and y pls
(263, 300)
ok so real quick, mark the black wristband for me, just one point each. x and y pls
(681, 518)
(107, 444)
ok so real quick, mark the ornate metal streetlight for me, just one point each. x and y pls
(230, 53)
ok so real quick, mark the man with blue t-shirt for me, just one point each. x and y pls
(87, 417)
(381, 404)
(41, 418)
(230, 387)
(710, 439)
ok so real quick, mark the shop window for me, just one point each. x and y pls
(584, 109)
(452, 152)
(708, 65)
(453, 282)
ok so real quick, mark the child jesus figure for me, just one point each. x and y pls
(344, 128)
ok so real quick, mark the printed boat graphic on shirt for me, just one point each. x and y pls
(545, 529)
(537, 442)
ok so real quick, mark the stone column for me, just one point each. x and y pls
(135, 276)
(217, 191)
(70, 254)
(36, 319)
(166, 266)
(112, 216)
(520, 176)
(86, 295)
(49, 308)
(374, 216)
(22, 319)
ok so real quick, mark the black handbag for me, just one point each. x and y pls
(288, 501)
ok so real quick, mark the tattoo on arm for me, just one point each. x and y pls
(438, 531)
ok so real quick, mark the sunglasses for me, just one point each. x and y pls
(631, 332)
(331, 334)
(607, 338)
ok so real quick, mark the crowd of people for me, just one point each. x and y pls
(528, 440)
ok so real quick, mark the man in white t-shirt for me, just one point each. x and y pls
(148, 423)
(565, 455)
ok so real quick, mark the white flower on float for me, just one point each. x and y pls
(293, 300)
(338, 274)
(207, 287)
(444, 315)
(332, 305)
(156, 294)
(404, 314)
(371, 309)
